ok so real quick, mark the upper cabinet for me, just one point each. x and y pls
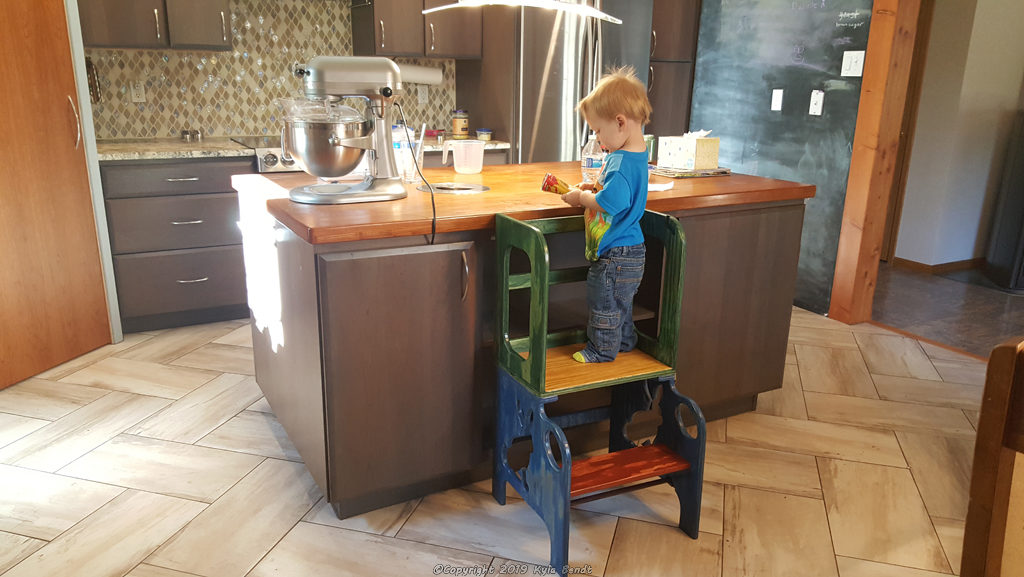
(451, 33)
(202, 24)
(674, 30)
(387, 27)
(124, 23)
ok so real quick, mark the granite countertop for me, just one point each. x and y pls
(210, 147)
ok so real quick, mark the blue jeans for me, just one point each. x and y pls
(611, 284)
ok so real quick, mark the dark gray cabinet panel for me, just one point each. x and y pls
(674, 30)
(179, 280)
(199, 24)
(668, 87)
(387, 28)
(399, 333)
(173, 222)
(451, 33)
(166, 178)
(124, 23)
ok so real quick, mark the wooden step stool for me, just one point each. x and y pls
(534, 370)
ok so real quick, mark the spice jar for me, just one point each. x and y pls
(460, 124)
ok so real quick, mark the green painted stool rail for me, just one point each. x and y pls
(529, 237)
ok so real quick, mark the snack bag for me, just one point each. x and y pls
(554, 184)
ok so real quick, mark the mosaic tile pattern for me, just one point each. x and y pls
(233, 93)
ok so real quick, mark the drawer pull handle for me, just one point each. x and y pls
(195, 280)
(176, 222)
(185, 179)
(465, 282)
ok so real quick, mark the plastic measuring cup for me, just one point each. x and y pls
(468, 155)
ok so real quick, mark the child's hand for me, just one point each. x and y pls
(572, 198)
(586, 186)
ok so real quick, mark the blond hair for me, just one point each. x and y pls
(618, 92)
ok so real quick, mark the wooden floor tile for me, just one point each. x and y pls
(44, 505)
(255, 433)
(65, 369)
(112, 540)
(951, 535)
(895, 355)
(659, 504)
(816, 438)
(849, 567)
(651, 550)
(174, 469)
(385, 521)
(44, 399)
(195, 415)
(942, 470)
(876, 513)
(173, 343)
(500, 566)
(969, 372)
(260, 406)
(805, 318)
(14, 427)
(837, 371)
(926, 392)
(760, 468)
(63, 441)
(223, 358)
(14, 548)
(836, 339)
(234, 533)
(144, 570)
(787, 401)
(240, 337)
(936, 352)
(472, 521)
(768, 534)
(973, 417)
(311, 549)
(140, 377)
(887, 414)
(790, 354)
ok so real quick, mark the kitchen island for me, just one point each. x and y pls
(375, 349)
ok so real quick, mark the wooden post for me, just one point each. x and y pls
(872, 165)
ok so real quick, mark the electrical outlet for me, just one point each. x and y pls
(138, 89)
(777, 99)
(817, 102)
(853, 63)
(424, 95)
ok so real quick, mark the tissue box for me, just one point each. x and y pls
(687, 153)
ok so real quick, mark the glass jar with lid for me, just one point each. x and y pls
(460, 124)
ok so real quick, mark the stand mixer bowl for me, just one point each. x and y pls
(317, 145)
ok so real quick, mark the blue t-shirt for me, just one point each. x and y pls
(623, 196)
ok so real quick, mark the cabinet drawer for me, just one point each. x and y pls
(173, 222)
(191, 177)
(180, 280)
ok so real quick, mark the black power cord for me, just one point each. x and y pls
(433, 207)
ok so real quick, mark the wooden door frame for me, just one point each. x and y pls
(876, 142)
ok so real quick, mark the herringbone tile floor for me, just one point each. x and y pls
(158, 457)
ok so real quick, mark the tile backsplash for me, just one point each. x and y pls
(233, 93)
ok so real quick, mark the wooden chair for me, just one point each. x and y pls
(994, 534)
(534, 370)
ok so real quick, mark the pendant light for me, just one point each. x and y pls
(561, 5)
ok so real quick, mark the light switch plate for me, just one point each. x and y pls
(138, 89)
(817, 102)
(853, 63)
(777, 99)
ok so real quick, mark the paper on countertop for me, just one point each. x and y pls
(659, 186)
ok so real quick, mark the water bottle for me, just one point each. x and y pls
(591, 160)
(401, 148)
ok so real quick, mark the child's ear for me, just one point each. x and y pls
(620, 120)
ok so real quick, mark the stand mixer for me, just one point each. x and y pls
(331, 146)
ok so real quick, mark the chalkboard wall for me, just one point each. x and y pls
(748, 48)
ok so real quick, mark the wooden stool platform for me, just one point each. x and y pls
(612, 470)
(564, 375)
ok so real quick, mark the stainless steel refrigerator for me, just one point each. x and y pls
(536, 66)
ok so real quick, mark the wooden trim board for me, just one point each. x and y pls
(939, 268)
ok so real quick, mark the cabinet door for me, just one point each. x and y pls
(387, 28)
(451, 33)
(674, 30)
(668, 87)
(123, 23)
(199, 24)
(399, 339)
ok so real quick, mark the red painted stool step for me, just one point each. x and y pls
(613, 470)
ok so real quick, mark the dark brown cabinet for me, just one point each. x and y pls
(674, 30)
(124, 23)
(204, 24)
(451, 33)
(668, 88)
(191, 24)
(387, 27)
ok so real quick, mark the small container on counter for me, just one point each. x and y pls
(434, 136)
(483, 133)
(460, 124)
